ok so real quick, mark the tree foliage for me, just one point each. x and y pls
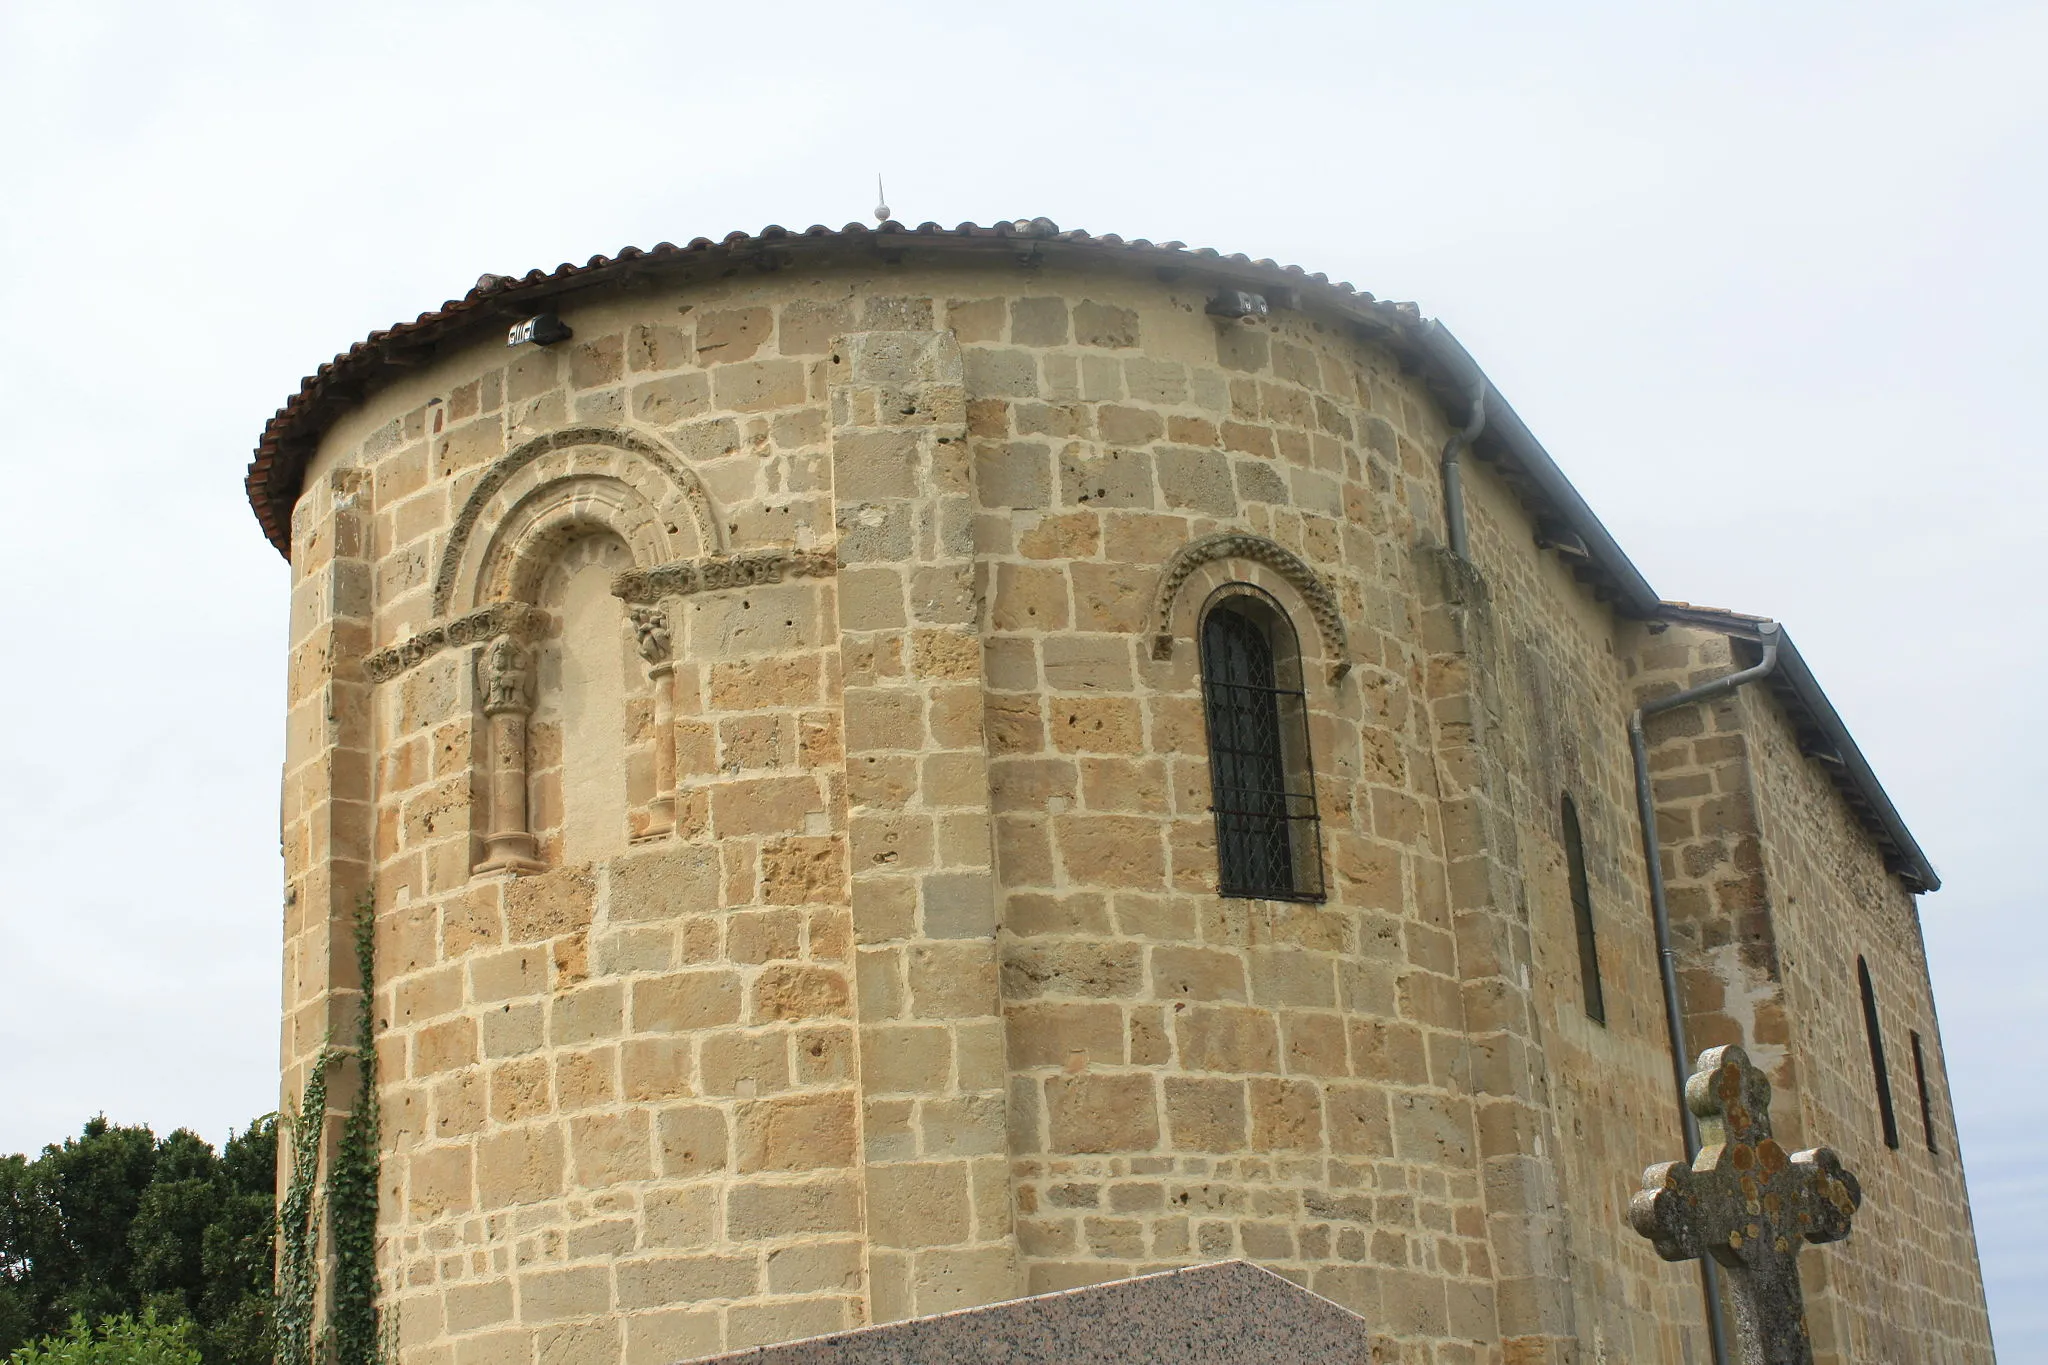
(118, 1223)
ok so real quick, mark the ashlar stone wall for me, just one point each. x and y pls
(1776, 891)
(819, 926)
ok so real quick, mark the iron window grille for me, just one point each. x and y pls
(1262, 786)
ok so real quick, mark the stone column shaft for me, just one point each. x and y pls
(509, 846)
(663, 677)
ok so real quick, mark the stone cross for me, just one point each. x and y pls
(1748, 1205)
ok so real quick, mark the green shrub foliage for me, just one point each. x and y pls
(121, 1340)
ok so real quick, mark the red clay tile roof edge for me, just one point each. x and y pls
(274, 475)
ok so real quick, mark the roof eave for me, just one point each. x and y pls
(1826, 739)
(286, 445)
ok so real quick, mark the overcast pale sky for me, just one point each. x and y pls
(1767, 279)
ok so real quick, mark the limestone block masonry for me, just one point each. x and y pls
(771, 726)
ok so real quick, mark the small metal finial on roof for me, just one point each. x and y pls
(881, 202)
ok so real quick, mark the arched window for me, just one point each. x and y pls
(1877, 1066)
(1268, 840)
(1582, 914)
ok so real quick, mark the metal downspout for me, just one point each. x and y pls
(1454, 479)
(1667, 957)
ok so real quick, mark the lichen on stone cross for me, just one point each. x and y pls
(1748, 1205)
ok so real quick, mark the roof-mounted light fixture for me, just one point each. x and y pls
(1237, 303)
(542, 329)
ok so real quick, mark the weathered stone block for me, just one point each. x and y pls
(917, 1204)
(958, 904)
(1102, 1113)
(520, 1165)
(691, 1140)
(1205, 1115)
(1197, 974)
(558, 902)
(552, 1295)
(744, 1063)
(762, 1212)
(609, 1149)
(660, 1281)
(656, 886)
(1087, 970)
(758, 385)
(686, 1000)
(1286, 1115)
(790, 990)
(1038, 322)
(677, 398)
(1227, 1038)
(795, 1133)
(1105, 324)
(908, 1059)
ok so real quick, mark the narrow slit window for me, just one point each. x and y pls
(1926, 1103)
(1877, 1066)
(1262, 784)
(1582, 914)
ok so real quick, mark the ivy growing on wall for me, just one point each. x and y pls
(352, 1181)
(298, 1222)
(348, 1203)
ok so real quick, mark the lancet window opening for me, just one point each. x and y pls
(1261, 774)
(1926, 1101)
(1877, 1066)
(1582, 912)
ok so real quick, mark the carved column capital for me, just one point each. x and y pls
(506, 677)
(650, 634)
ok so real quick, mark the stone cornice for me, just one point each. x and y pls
(637, 587)
(708, 573)
(486, 623)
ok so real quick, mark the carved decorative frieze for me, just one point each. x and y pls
(500, 618)
(712, 572)
(1322, 603)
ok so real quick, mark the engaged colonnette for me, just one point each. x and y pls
(901, 768)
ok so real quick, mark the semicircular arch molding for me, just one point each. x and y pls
(536, 496)
(1194, 559)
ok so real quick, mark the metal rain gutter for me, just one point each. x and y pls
(1807, 705)
(1505, 426)
(1660, 912)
